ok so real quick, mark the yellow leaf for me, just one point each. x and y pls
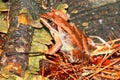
(3, 6)
(3, 24)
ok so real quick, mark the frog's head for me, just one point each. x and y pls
(48, 21)
(51, 19)
(50, 15)
(54, 19)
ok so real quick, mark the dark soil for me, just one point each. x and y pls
(102, 18)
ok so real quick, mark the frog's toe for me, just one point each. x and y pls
(79, 57)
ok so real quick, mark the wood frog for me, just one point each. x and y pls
(67, 38)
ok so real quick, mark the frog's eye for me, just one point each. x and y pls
(50, 21)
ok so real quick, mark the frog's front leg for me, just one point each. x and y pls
(56, 37)
(57, 46)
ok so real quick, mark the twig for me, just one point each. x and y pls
(43, 71)
(103, 68)
(106, 57)
(103, 41)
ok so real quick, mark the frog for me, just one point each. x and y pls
(68, 38)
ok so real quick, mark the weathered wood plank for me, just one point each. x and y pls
(19, 36)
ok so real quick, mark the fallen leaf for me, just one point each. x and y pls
(42, 36)
(3, 24)
(62, 7)
(34, 62)
(3, 6)
(41, 39)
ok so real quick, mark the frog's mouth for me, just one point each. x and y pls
(49, 24)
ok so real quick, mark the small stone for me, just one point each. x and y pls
(85, 24)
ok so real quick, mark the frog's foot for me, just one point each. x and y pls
(77, 56)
